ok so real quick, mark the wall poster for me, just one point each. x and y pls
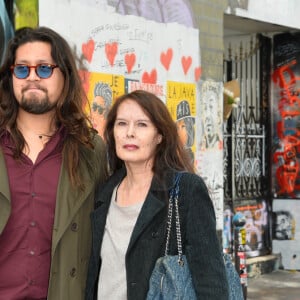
(286, 232)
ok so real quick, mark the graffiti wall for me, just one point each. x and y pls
(286, 148)
(146, 48)
(152, 45)
(286, 116)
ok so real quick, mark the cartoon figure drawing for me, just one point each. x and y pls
(185, 126)
(211, 123)
(100, 106)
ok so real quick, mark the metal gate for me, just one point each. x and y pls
(245, 136)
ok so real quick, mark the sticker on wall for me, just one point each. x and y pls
(256, 216)
(286, 232)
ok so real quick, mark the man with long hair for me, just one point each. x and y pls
(51, 160)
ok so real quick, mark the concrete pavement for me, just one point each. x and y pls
(278, 285)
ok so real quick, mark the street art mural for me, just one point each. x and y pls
(149, 45)
(286, 148)
(181, 102)
(165, 11)
(141, 53)
(286, 232)
(286, 116)
(209, 157)
(256, 214)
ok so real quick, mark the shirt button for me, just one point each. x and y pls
(73, 272)
(32, 223)
(32, 195)
(31, 252)
(74, 226)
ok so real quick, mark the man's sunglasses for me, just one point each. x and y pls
(98, 107)
(43, 71)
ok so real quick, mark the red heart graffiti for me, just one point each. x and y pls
(88, 50)
(198, 72)
(149, 78)
(111, 51)
(186, 63)
(129, 61)
(166, 58)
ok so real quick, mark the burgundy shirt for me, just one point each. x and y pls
(25, 243)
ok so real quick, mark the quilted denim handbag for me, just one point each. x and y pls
(234, 282)
(171, 278)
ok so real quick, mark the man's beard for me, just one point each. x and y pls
(35, 105)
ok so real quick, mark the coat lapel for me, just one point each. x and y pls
(154, 203)
(68, 202)
(5, 207)
(98, 219)
(4, 184)
(151, 207)
(98, 216)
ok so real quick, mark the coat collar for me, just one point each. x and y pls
(4, 184)
(155, 201)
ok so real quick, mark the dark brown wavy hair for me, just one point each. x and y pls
(170, 153)
(69, 109)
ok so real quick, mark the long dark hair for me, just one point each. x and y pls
(69, 109)
(170, 153)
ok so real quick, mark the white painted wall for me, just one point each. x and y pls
(279, 12)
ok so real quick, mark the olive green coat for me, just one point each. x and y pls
(71, 237)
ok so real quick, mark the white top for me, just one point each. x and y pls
(119, 225)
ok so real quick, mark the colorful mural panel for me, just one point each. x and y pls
(181, 102)
(256, 215)
(286, 116)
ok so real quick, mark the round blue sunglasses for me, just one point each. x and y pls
(43, 71)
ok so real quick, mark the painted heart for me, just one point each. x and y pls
(198, 72)
(186, 63)
(166, 58)
(88, 50)
(149, 78)
(129, 61)
(111, 50)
